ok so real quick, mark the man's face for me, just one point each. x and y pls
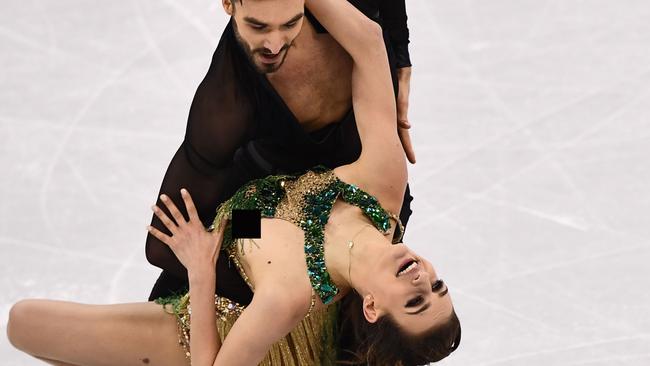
(266, 29)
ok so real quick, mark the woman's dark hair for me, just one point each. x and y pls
(384, 343)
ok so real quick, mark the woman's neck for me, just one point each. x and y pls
(350, 264)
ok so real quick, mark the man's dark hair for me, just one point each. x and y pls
(384, 343)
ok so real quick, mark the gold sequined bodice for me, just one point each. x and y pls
(311, 342)
(292, 205)
(306, 201)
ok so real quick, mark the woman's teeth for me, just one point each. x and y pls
(408, 269)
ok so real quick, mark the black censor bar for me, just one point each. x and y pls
(246, 224)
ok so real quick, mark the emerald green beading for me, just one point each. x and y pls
(311, 215)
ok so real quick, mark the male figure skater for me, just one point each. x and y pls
(276, 99)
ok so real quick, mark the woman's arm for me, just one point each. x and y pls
(394, 21)
(271, 315)
(381, 167)
(197, 250)
(353, 30)
(204, 340)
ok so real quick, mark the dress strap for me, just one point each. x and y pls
(233, 256)
(368, 205)
(312, 304)
(400, 227)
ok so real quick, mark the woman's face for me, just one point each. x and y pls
(407, 287)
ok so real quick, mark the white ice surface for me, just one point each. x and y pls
(532, 187)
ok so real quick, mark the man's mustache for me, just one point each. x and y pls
(267, 52)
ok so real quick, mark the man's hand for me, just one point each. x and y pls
(403, 125)
(196, 248)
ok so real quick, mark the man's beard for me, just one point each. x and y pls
(250, 54)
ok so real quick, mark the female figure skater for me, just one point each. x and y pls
(324, 234)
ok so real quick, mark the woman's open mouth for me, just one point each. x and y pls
(408, 266)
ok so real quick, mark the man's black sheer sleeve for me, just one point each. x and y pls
(394, 20)
(220, 121)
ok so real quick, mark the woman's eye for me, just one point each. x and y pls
(437, 285)
(414, 302)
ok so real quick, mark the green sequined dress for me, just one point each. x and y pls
(305, 200)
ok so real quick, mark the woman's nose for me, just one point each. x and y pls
(421, 277)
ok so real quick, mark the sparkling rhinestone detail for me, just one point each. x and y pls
(307, 201)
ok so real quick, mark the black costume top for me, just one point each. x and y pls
(240, 129)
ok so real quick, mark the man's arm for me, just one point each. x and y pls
(219, 122)
(394, 22)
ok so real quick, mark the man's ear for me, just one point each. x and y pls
(228, 6)
(370, 310)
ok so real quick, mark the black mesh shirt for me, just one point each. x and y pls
(240, 129)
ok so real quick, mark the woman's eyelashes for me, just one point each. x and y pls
(436, 286)
(414, 301)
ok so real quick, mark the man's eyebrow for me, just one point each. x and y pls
(259, 22)
(295, 18)
(423, 308)
(254, 21)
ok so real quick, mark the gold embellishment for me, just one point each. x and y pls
(250, 191)
(399, 225)
(311, 342)
(225, 309)
(312, 304)
(240, 244)
(233, 255)
(292, 205)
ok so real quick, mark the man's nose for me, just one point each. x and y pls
(274, 43)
